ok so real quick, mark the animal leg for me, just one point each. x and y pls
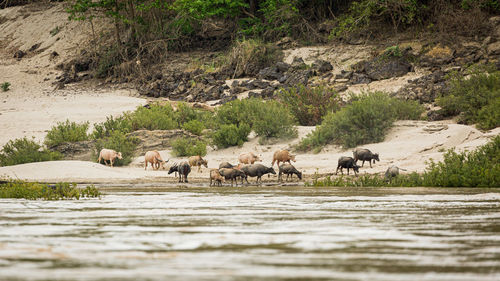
(371, 163)
(111, 162)
(145, 165)
(362, 164)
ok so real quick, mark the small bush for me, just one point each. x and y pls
(20, 151)
(475, 98)
(231, 135)
(309, 105)
(157, 117)
(5, 86)
(119, 142)
(188, 147)
(194, 126)
(478, 168)
(66, 132)
(33, 191)
(105, 129)
(274, 121)
(366, 120)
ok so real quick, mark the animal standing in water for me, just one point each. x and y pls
(183, 169)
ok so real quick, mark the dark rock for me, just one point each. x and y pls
(34, 47)
(344, 75)
(358, 78)
(322, 66)
(282, 66)
(298, 62)
(424, 89)
(53, 55)
(19, 54)
(437, 56)
(435, 115)
(384, 68)
(269, 73)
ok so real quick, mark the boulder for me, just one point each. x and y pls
(81, 150)
(322, 66)
(437, 56)
(387, 68)
(494, 49)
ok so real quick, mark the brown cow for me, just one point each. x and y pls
(282, 156)
(197, 161)
(248, 158)
(215, 176)
(109, 155)
(155, 159)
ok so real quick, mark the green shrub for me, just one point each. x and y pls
(477, 168)
(309, 105)
(475, 98)
(66, 132)
(274, 121)
(20, 151)
(188, 147)
(120, 124)
(5, 86)
(231, 135)
(33, 191)
(157, 117)
(366, 120)
(119, 142)
(194, 126)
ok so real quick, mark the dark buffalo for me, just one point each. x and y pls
(392, 172)
(183, 169)
(232, 174)
(364, 154)
(226, 165)
(288, 170)
(257, 170)
(347, 162)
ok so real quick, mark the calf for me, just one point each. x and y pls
(155, 159)
(198, 161)
(232, 174)
(183, 169)
(392, 172)
(288, 170)
(216, 176)
(347, 162)
(364, 154)
(248, 158)
(282, 156)
(257, 170)
(109, 155)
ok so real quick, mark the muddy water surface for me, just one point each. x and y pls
(290, 233)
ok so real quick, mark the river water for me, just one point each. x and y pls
(250, 233)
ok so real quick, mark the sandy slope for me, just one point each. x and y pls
(32, 106)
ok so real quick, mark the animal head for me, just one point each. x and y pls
(162, 163)
(375, 157)
(292, 157)
(356, 168)
(173, 168)
(119, 155)
(272, 171)
(204, 163)
(299, 174)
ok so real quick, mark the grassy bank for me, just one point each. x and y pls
(59, 191)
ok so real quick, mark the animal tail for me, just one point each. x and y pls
(403, 169)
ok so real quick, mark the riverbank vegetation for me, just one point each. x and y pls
(474, 98)
(24, 150)
(34, 190)
(366, 119)
(477, 168)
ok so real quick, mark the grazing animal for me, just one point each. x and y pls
(288, 170)
(248, 158)
(183, 169)
(347, 162)
(216, 176)
(232, 174)
(364, 154)
(155, 159)
(226, 165)
(198, 161)
(392, 172)
(282, 156)
(109, 155)
(257, 170)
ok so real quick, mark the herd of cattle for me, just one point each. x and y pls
(247, 166)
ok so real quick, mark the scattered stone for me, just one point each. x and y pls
(358, 78)
(19, 54)
(344, 75)
(322, 66)
(494, 48)
(34, 47)
(53, 55)
(437, 56)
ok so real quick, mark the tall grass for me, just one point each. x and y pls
(366, 120)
